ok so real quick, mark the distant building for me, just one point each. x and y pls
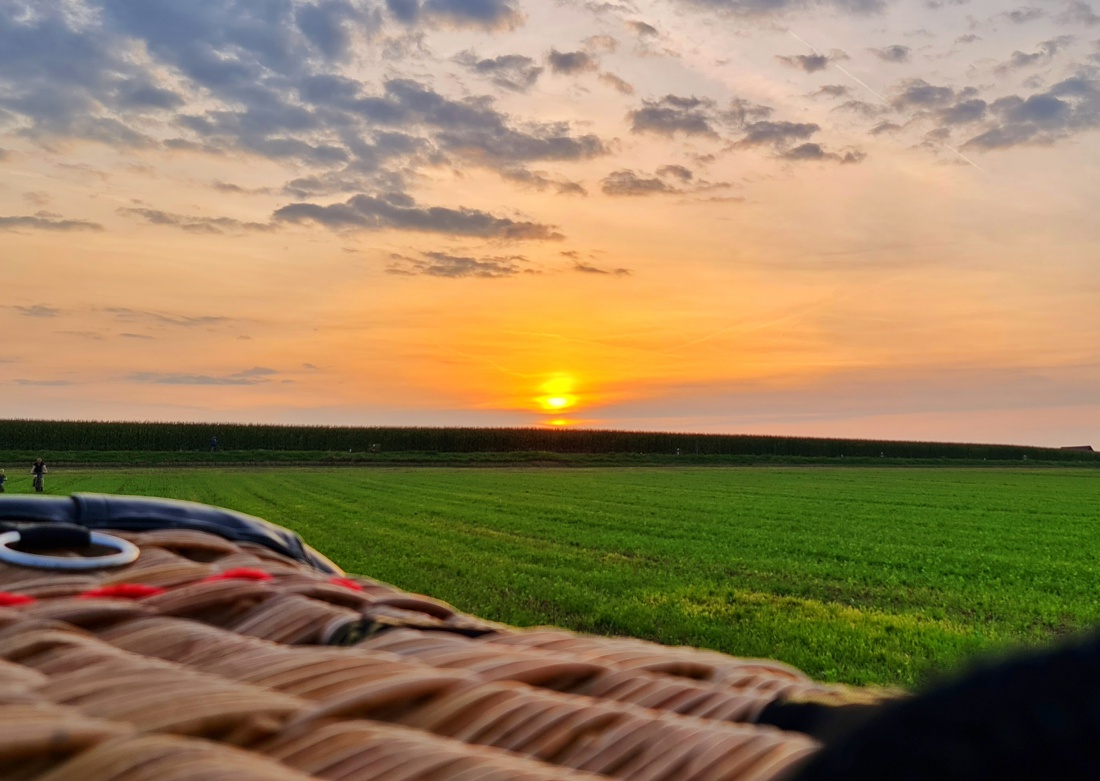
(1080, 448)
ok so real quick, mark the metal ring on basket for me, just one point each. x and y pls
(126, 553)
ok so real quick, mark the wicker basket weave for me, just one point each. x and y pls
(208, 659)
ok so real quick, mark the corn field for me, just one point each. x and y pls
(27, 435)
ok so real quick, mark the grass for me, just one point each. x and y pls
(859, 575)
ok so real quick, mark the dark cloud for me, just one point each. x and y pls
(619, 84)
(862, 108)
(472, 128)
(442, 264)
(214, 225)
(1025, 14)
(510, 71)
(163, 319)
(833, 91)
(919, 94)
(810, 63)
(884, 127)
(964, 112)
(968, 38)
(815, 152)
(627, 183)
(128, 335)
(43, 222)
(1069, 107)
(895, 53)
(676, 172)
(643, 29)
(777, 134)
(1079, 12)
(1044, 53)
(37, 310)
(263, 78)
(673, 114)
(540, 181)
(43, 383)
(254, 376)
(571, 62)
(585, 268)
(487, 14)
(400, 212)
(774, 7)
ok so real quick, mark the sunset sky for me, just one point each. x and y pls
(853, 218)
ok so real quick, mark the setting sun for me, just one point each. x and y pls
(558, 402)
(557, 393)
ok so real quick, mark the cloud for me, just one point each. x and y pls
(676, 172)
(510, 71)
(161, 318)
(214, 225)
(964, 112)
(47, 223)
(44, 383)
(691, 116)
(400, 212)
(643, 29)
(442, 264)
(571, 62)
(37, 310)
(128, 335)
(627, 183)
(833, 91)
(781, 7)
(810, 63)
(585, 268)
(895, 53)
(1079, 12)
(619, 84)
(1024, 14)
(884, 127)
(777, 134)
(671, 115)
(815, 152)
(1069, 107)
(919, 94)
(1044, 53)
(254, 376)
(485, 14)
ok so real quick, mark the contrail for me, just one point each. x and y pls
(815, 50)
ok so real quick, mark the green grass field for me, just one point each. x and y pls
(858, 575)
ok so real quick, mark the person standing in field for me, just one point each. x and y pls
(213, 444)
(3, 479)
(39, 471)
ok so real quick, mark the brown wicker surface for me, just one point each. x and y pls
(226, 670)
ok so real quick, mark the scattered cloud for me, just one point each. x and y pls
(253, 376)
(895, 53)
(44, 383)
(165, 319)
(443, 264)
(511, 71)
(1044, 53)
(1081, 13)
(401, 212)
(1024, 14)
(810, 63)
(585, 268)
(628, 183)
(617, 83)
(215, 225)
(37, 310)
(44, 221)
(571, 62)
(1069, 107)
